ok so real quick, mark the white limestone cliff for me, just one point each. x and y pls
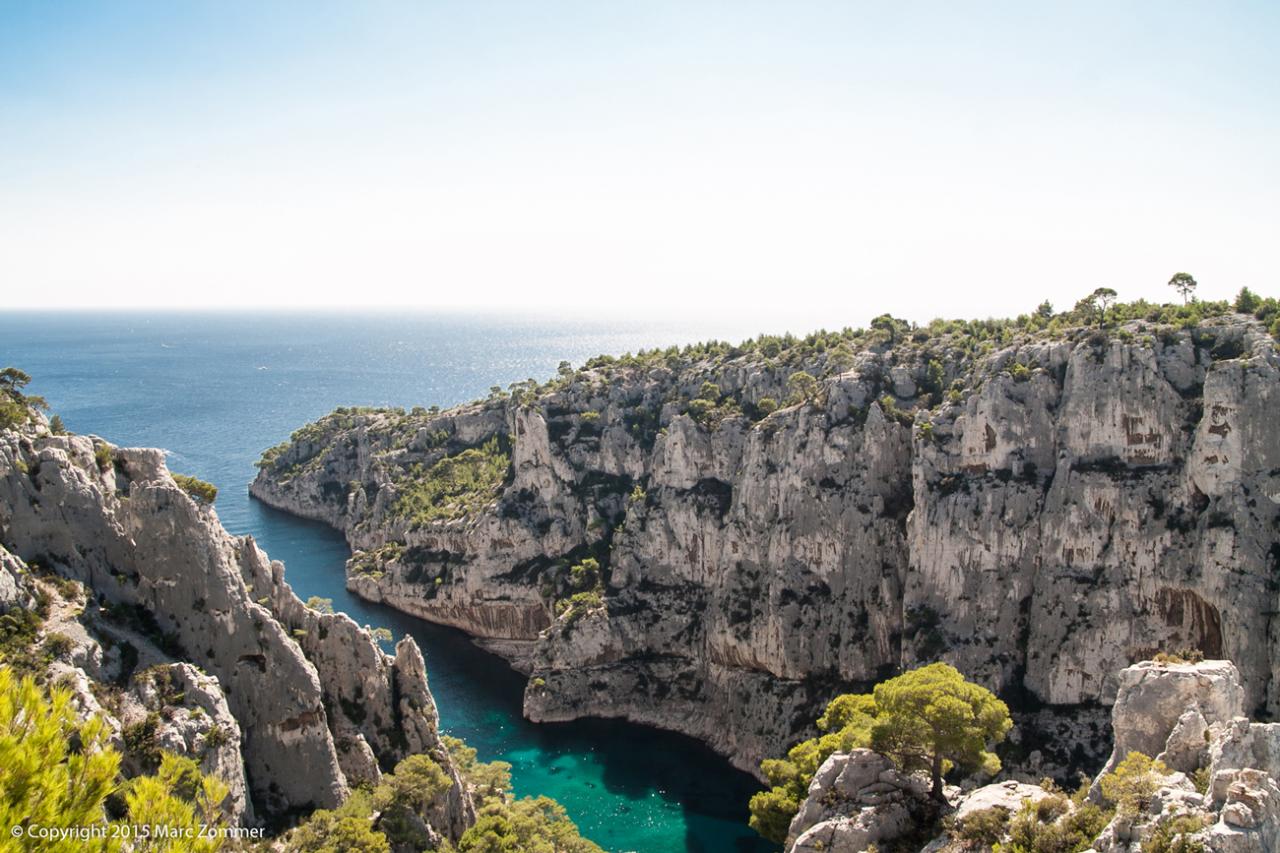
(1072, 505)
(308, 701)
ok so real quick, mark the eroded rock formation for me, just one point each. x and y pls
(305, 704)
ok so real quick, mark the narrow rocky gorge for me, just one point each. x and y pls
(717, 540)
(166, 625)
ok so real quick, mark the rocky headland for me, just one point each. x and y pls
(717, 539)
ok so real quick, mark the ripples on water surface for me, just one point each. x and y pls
(215, 390)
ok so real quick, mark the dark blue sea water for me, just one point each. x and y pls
(217, 389)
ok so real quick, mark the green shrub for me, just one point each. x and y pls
(103, 456)
(1053, 825)
(57, 645)
(12, 414)
(454, 486)
(215, 737)
(19, 630)
(984, 827)
(585, 575)
(403, 797)
(491, 780)
(140, 742)
(338, 831)
(320, 605)
(203, 492)
(532, 823)
(1133, 783)
(1172, 836)
(1247, 301)
(891, 410)
(711, 409)
(578, 605)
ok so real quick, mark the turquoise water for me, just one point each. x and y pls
(215, 390)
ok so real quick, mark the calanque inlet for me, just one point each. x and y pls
(1070, 522)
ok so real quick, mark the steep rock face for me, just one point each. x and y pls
(1070, 506)
(319, 706)
(190, 733)
(187, 707)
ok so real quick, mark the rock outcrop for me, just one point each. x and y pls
(857, 800)
(1214, 787)
(1166, 710)
(306, 702)
(1190, 715)
(1040, 514)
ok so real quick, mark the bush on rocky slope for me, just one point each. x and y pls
(197, 488)
(454, 486)
(58, 771)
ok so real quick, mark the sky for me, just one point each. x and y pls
(820, 159)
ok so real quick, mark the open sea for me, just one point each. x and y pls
(216, 389)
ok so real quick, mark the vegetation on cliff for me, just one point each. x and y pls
(203, 492)
(722, 487)
(458, 479)
(454, 486)
(929, 719)
(1062, 823)
(1057, 823)
(394, 812)
(505, 823)
(58, 772)
(16, 407)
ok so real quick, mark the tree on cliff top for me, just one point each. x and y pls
(1093, 308)
(1185, 285)
(14, 405)
(929, 719)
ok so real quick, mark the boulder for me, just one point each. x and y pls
(857, 799)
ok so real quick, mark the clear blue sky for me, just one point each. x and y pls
(920, 157)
